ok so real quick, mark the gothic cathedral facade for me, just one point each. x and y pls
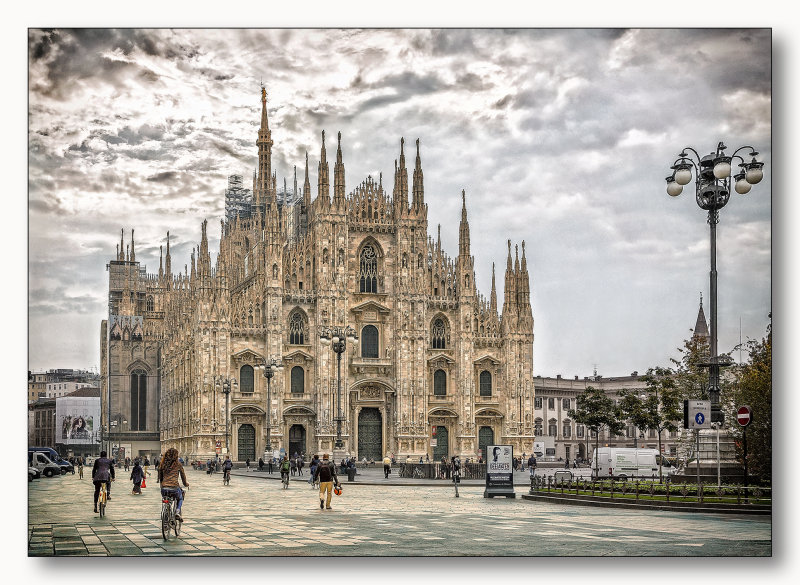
(436, 370)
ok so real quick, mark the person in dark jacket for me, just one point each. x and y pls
(102, 473)
(261, 464)
(326, 472)
(136, 475)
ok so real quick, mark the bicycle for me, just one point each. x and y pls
(102, 499)
(169, 522)
(285, 479)
(226, 477)
(418, 474)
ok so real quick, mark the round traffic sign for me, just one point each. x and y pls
(699, 418)
(744, 415)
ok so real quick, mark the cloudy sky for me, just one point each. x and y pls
(560, 137)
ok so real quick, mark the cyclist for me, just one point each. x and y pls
(285, 466)
(226, 468)
(169, 471)
(102, 473)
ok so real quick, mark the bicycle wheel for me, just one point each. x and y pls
(165, 514)
(102, 509)
(177, 526)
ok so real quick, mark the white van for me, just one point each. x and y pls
(42, 462)
(623, 463)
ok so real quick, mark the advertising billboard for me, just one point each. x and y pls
(499, 471)
(77, 420)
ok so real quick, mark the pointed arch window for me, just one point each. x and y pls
(438, 334)
(486, 383)
(439, 383)
(298, 380)
(138, 418)
(246, 384)
(369, 341)
(368, 270)
(151, 305)
(297, 329)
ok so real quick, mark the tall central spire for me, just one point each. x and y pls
(264, 144)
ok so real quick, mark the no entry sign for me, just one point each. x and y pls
(744, 415)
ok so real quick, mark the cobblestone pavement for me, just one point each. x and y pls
(255, 517)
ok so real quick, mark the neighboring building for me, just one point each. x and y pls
(433, 353)
(69, 424)
(568, 439)
(43, 423)
(37, 385)
(56, 389)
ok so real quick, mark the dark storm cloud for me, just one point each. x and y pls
(164, 177)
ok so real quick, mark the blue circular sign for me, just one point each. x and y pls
(699, 418)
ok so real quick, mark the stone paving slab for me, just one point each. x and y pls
(254, 517)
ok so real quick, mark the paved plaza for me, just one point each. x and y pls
(373, 517)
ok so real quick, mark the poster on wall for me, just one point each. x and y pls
(499, 471)
(76, 420)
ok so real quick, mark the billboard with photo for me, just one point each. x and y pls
(77, 420)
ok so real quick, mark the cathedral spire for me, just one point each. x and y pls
(264, 143)
(160, 263)
(418, 195)
(463, 228)
(493, 295)
(133, 248)
(323, 185)
(307, 188)
(168, 265)
(121, 254)
(338, 176)
(510, 289)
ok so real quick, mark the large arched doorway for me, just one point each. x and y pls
(485, 437)
(370, 434)
(442, 447)
(297, 440)
(247, 443)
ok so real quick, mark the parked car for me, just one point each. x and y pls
(33, 473)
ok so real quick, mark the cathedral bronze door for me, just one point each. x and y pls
(247, 443)
(485, 437)
(442, 444)
(370, 434)
(297, 440)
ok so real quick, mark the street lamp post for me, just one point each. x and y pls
(338, 337)
(226, 384)
(269, 368)
(712, 192)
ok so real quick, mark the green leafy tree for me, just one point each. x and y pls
(659, 409)
(595, 410)
(753, 387)
(690, 377)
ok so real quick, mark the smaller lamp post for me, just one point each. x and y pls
(226, 384)
(338, 337)
(269, 368)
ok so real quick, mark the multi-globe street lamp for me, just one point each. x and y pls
(338, 338)
(712, 191)
(269, 368)
(226, 384)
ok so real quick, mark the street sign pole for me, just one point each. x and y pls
(744, 446)
(744, 417)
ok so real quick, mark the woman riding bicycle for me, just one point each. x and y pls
(168, 473)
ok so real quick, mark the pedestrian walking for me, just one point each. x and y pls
(146, 465)
(136, 476)
(269, 464)
(387, 467)
(260, 463)
(293, 466)
(532, 465)
(326, 473)
(566, 463)
(157, 463)
(127, 463)
(247, 463)
(300, 464)
(313, 468)
(80, 467)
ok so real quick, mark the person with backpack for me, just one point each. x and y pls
(285, 467)
(326, 472)
(226, 468)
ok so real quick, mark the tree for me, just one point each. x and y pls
(658, 409)
(595, 410)
(753, 388)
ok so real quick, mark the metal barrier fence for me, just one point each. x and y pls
(440, 471)
(651, 490)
